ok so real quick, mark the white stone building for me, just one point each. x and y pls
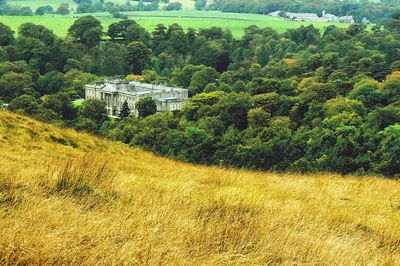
(116, 92)
(312, 17)
(346, 19)
(326, 17)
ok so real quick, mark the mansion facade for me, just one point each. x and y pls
(115, 92)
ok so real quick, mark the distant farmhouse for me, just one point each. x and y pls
(311, 17)
(116, 92)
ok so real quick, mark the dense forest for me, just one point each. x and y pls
(301, 101)
(372, 10)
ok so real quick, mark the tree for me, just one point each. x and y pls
(258, 117)
(391, 90)
(198, 146)
(87, 30)
(389, 152)
(232, 109)
(119, 29)
(12, 85)
(6, 35)
(173, 6)
(61, 104)
(136, 32)
(138, 56)
(24, 103)
(200, 4)
(206, 52)
(146, 106)
(159, 37)
(38, 32)
(77, 80)
(113, 59)
(182, 77)
(367, 92)
(63, 9)
(393, 24)
(50, 83)
(125, 111)
(33, 50)
(94, 109)
(178, 42)
(85, 7)
(201, 79)
(43, 10)
(263, 85)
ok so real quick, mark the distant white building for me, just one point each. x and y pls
(275, 14)
(311, 17)
(326, 17)
(116, 92)
(346, 19)
(302, 16)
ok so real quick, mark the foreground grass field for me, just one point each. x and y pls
(194, 19)
(70, 198)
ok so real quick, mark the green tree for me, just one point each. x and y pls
(391, 90)
(138, 56)
(12, 85)
(40, 11)
(146, 106)
(183, 76)
(93, 109)
(232, 109)
(135, 32)
(367, 92)
(87, 30)
(201, 79)
(258, 117)
(38, 32)
(178, 42)
(125, 111)
(200, 4)
(63, 9)
(6, 35)
(159, 37)
(119, 29)
(25, 103)
(206, 52)
(52, 82)
(389, 152)
(61, 104)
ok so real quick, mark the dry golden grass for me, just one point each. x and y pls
(71, 198)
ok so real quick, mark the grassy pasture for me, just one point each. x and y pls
(34, 4)
(71, 198)
(195, 19)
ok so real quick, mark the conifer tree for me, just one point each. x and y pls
(125, 111)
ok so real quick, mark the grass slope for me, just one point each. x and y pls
(71, 198)
(194, 19)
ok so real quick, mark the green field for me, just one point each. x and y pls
(194, 19)
(34, 4)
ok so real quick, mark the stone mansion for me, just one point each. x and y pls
(116, 92)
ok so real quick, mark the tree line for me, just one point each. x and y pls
(301, 101)
(375, 11)
(89, 6)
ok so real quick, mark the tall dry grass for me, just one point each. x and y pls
(70, 198)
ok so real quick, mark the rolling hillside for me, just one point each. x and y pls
(71, 198)
(186, 4)
(149, 19)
